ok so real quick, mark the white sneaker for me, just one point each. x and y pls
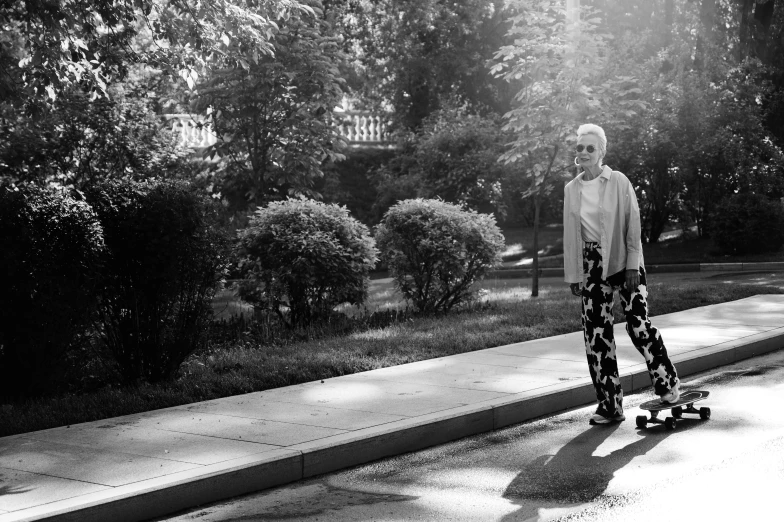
(673, 396)
(597, 418)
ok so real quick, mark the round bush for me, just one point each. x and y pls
(51, 254)
(164, 262)
(436, 251)
(301, 258)
(748, 224)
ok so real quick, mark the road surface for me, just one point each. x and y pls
(730, 467)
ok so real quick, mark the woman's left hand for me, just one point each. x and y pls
(632, 280)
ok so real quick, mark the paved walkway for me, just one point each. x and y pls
(141, 466)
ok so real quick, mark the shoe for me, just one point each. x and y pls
(598, 418)
(673, 395)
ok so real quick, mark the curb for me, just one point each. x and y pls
(188, 489)
(515, 273)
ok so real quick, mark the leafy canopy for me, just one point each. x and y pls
(47, 46)
(557, 60)
(274, 116)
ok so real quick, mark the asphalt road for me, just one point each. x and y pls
(730, 467)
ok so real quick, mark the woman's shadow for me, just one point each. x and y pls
(574, 475)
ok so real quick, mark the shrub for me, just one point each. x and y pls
(301, 258)
(436, 251)
(748, 224)
(51, 254)
(163, 265)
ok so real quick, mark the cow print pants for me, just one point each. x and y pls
(597, 320)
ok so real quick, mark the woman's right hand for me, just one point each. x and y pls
(575, 288)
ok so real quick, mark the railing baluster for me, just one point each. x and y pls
(359, 128)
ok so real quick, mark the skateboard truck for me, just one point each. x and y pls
(676, 409)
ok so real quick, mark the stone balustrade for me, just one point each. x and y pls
(193, 130)
(362, 128)
(359, 128)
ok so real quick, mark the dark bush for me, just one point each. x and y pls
(301, 258)
(436, 251)
(748, 224)
(50, 257)
(164, 261)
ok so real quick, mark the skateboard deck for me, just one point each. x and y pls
(686, 399)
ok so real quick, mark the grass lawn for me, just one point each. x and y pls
(506, 314)
(673, 247)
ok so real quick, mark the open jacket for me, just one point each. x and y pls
(619, 222)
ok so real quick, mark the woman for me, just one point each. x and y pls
(603, 254)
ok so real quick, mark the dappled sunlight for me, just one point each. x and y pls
(529, 261)
(420, 335)
(482, 478)
(510, 294)
(484, 320)
(377, 334)
(512, 250)
(343, 391)
(460, 504)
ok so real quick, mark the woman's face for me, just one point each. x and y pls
(585, 144)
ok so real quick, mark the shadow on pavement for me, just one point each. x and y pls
(574, 475)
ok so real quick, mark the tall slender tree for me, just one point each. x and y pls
(557, 60)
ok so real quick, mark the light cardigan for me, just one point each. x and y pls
(619, 223)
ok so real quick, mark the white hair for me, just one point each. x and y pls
(590, 128)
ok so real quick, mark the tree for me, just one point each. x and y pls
(556, 59)
(452, 157)
(414, 55)
(77, 141)
(274, 116)
(46, 47)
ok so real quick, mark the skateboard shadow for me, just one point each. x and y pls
(574, 475)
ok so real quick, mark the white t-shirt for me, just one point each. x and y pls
(589, 210)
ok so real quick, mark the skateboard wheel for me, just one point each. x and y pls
(642, 421)
(670, 423)
(705, 413)
(677, 412)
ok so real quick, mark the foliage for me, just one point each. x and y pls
(274, 116)
(749, 223)
(51, 257)
(437, 251)
(48, 47)
(415, 55)
(78, 142)
(164, 262)
(350, 182)
(454, 156)
(558, 60)
(301, 258)
(709, 128)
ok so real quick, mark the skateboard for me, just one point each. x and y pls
(677, 409)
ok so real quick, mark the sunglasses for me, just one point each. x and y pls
(589, 148)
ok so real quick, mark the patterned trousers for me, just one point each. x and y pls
(597, 319)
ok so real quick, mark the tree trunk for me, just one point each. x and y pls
(708, 21)
(669, 16)
(708, 16)
(535, 275)
(744, 29)
(763, 14)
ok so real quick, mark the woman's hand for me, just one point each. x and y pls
(632, 280)
(575, 288)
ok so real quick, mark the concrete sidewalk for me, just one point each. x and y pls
(142, 466)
